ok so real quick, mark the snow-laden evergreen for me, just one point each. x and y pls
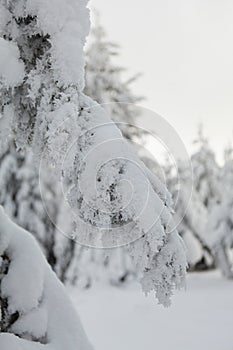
(210, 186)
(105, 84)
(91, 266)
(50, 112)
(206, 226)
(206, 171)
(192, 216)
(220, 221)
(20, 194)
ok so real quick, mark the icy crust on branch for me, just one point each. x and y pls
(39, 315)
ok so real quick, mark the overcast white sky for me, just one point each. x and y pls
(184, 48)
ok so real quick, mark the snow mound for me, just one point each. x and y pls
(67, 23)
(36, 313)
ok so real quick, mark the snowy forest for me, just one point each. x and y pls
(104, 242)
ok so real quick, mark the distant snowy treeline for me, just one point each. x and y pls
(207, 226)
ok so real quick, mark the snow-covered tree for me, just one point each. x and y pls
(35, 312)
(192, 215)
(205, 171)
(209, 183)
(90, 266)
(206, 226)
(45, 102)
(220, 220)
(20, 194)
(205, 193)
(104, 82)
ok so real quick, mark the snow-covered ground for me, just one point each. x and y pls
(200, 318)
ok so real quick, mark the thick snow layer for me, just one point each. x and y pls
(46, 314)
(200, 318)
(67, 23)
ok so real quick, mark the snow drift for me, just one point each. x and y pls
(36, 313)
